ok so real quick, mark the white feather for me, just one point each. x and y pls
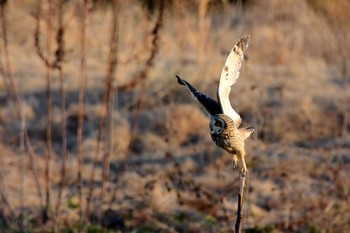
(229, 76)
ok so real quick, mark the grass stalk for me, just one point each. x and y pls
(81, 107)
(49, 116)
(138, 78)
(14, 95)
(112, 62)
(59, 57)
(112, 65)
(143, 74)
(22, 168)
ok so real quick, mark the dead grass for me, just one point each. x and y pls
(293, 89)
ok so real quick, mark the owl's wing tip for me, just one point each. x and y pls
(247, 131)
(180, 80)
(243, 42)
(250, 129)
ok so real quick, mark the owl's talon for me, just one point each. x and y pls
(244, 172)
(234, 164)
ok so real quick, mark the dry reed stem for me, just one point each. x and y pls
(22, 168)
(59, 58)
(144, 72)
(81, 108)
(112, 65)
(154, 50)
(13, 93)
(142, 75)
(204, 30)
(49, 115)
(56, 64)
(139, 78)
(59, 53)
(112, 62)
(5, 204)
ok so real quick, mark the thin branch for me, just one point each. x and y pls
(22, 167)
(242, 177)
(4, 197)
(13, 93)
(59, 58)
(106, 100)
(112, 65)
(81, 106)
(37, 37)
(49, 115)
(56, 64)
(154, 50)
(144, 72)
(59, 53)
(141, 76)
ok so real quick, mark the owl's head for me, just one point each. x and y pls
(218, 123)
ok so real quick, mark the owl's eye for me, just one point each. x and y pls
(218, 123)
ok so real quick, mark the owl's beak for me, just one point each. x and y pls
(212, 128)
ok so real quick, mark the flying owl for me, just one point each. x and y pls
(224, 120)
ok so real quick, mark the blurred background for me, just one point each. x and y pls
(97, 136)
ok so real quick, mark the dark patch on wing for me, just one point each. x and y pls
(208, 103)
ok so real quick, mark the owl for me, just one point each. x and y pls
(224, 120)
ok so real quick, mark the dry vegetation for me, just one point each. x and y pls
(156, 169)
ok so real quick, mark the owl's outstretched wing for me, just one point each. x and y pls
(229, 76)
(211, 106)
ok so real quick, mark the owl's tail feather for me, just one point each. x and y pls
(246, 132)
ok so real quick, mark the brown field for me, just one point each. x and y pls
(147, 161)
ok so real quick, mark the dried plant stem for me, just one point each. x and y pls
(22, 167)
(242, 176)
(5, 203)
(144, 72)
(50, 65)
(81, 106)
(49, 116)
(62, 183)
(106, 102)
(59, 58)
(154, 50)
(112, 65)
(204, 30)
(106, 157)
(13, 93)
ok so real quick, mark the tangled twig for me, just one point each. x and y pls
(149, 62)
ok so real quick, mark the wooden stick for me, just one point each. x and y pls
(242, 176)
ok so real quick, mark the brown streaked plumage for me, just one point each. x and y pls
(226, 135)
